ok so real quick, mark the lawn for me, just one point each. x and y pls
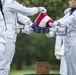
(21, 72)
(31, 70)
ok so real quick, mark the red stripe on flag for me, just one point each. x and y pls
(40, 17)
(50, 20)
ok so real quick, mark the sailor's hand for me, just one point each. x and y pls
(42, 9)
(27, 29)
(50, 34)
(58, 57)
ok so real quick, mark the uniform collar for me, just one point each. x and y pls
(72, 10)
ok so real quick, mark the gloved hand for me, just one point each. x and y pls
(42, 9)
(56, 23)
(58, 57)
(27, 29)
(50, 34)
(29, 23)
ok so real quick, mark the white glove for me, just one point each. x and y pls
(29, 23)
(56, 23)
(42, 9)
(50, 34)
(27, 29)
(58, 57)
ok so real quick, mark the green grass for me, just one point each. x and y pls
(31, 70)
(21, 72)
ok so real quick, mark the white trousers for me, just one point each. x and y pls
(70, 55)
(7, 57)
(63, 66)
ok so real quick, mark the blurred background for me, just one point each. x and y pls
(37, 47)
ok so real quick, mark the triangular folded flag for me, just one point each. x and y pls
(42, 20)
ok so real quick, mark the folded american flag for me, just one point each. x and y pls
(42, 21)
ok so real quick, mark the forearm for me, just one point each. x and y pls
(66, 21)
(23, 19)
(15, 6)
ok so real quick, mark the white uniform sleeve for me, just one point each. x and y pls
(26, 21)
(23, 19)
(67, 20)
(15, 6)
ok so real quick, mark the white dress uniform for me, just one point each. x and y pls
(10, 8)
(69, 21)
(59, 50)
(2, 37)
(60, 33)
